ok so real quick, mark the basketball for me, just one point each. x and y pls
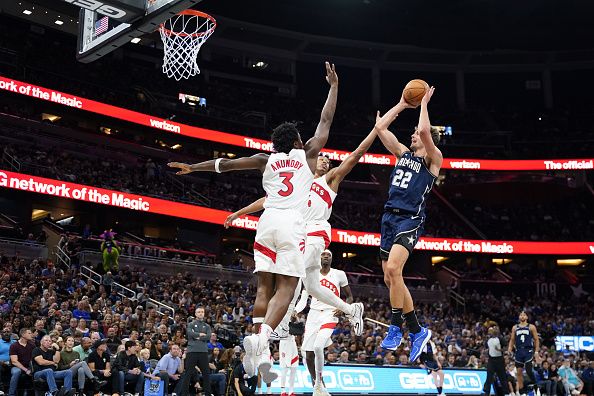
(414, 92)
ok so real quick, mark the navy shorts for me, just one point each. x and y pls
(401, 230)
(523, 356)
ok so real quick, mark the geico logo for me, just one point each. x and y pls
(575, 343)
(468, 381)
(99, 7)
(352, 379)
(458, 381)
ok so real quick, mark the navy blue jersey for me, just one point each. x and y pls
(524, 338)
(410, 183)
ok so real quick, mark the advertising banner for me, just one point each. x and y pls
(62, 189)
(23, 88)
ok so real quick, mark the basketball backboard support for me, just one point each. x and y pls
(107, 25)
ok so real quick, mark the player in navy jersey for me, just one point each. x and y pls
(431, 364)
(402, 223)
(524, 339)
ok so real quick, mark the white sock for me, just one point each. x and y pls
(283, 378)
(325, 295)
(319, 359)
(293, 371)
(264, 335)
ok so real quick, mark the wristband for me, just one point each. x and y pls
(217, 162)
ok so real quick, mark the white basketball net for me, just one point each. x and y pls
(182, 36)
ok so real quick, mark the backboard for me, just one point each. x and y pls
(108, 24)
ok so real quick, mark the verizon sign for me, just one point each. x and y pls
(18, 87)
(40, 185)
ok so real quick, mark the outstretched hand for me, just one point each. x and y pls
(404, 104)
(230, 219)
(331, 75)
(184, 168)
(428, 96)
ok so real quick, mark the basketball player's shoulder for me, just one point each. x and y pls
(341, 276)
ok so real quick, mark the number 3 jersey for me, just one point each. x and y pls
(410, 184)
(287, 181)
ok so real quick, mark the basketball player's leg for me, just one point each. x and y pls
(519, 378)
(392, 266)
(282, 330)
(322, 340)
(264, 293)
(314, 247)
(311, 365)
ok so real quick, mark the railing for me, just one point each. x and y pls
(11, 161)
(62, 257)
(91, 275)
(192, 194)
(458, 299)
(14, 247)
(123, 291)
(152, 303)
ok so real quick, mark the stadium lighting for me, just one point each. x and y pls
(437, 259)
(570, 261)
(135, 40)
(27, 12)
(59, 22)
(500, 261)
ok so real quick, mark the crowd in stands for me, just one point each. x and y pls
(66, 312)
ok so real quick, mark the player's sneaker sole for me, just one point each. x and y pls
(250, 345)
(268, 376)
(426, 339)
(356, 318)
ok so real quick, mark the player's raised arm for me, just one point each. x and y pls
(434, 156)
(254, 207)
(382, 123)
(318, 141)
(336, 176)
(220, 165)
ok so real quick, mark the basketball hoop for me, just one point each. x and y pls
(182, 36)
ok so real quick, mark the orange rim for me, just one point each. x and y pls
(193, 13)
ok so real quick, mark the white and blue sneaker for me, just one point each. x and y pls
(394, 338)
(418, 342)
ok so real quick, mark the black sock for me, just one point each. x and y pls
(439, 389)
(397, 317)
(412, 322)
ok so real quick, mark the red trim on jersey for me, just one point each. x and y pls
(328, 326)
(295, 359)
(322, 193)
(265, 251)
(321, 234)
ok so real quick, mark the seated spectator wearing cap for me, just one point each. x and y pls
(99, 363)
(45, 366)
(128, 368)
(170, 367)
(20, 357)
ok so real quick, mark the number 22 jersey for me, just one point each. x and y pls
(410, 184)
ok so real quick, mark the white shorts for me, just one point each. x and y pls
(318, 239)
(289, 355)
(319, 327)
(280, 243)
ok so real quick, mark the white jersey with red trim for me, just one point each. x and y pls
(321, 198)
(287, 181)
(333, 280)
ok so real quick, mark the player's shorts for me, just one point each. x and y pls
(280, 242)
(289, 355)
(523, 357)
(319, 327)
(318, 239)
(401, 230)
